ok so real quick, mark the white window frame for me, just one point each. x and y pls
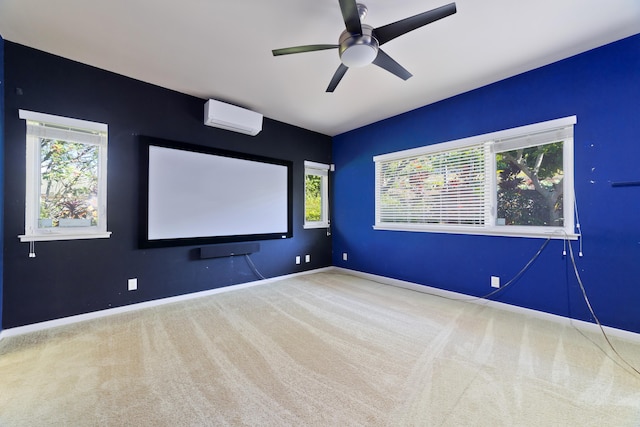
(321, 170)
(526, 136)
(33, 232)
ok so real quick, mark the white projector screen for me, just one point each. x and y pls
(198, 195)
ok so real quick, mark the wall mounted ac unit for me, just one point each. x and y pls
(229, 117)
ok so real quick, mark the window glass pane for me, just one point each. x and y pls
(530, 186)
(69, 184)
(313, 198)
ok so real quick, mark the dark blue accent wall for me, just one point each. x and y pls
(79, 276)
(602, 88)
(1, 172)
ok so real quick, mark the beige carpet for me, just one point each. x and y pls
(320, 350)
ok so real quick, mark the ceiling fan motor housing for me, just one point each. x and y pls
(358, 50)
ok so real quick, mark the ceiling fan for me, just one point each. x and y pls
(359, 44)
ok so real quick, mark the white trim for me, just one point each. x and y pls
(321, 170)
(579, 324)
(33, 232)
(492, 143)
(506, 231)
(63, 236)
(315, 224)
(63, 121)
(479, 139)
(35, 327)
(315, 165)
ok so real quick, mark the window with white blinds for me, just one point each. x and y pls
(482, 184)
(66, 178)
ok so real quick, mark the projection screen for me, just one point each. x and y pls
(198, 195)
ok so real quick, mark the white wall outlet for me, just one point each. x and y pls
(495, 282)
(344, 256)
(298, 259)
(132, 284)
(307, 258)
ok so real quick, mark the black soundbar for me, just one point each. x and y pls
(229, 249)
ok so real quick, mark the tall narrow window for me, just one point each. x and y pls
(66, 178)
(316, 195)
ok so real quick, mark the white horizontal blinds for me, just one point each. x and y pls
(533, 139)
(443, 187)
(47, 126)
(317, 172)
(48, 131)
(62, 122)
(316, 168)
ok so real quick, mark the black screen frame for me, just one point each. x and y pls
(143, 239)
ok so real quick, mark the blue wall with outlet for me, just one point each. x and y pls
(602, 88)
(78, 276)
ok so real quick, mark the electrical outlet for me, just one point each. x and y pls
(495, 282)
(298, 259)
(344, 256)
(132, 284)
(307, 258)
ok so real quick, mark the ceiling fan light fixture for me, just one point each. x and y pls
(359, 55)
(358, 50)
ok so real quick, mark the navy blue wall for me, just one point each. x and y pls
(601, 87)
(1, 171)
(73, 277)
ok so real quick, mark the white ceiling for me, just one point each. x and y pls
(222, 50)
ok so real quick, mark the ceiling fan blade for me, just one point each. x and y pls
(391, 31)
(337, 77)
(385, 61)
(302, 49)
(351, 16)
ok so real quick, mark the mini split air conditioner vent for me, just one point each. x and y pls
(229, 117)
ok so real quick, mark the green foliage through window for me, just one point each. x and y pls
(313, 198)
(530, 186)
(69, 182)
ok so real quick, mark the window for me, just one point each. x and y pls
(316, 195)
(517, 182)
(66, 182)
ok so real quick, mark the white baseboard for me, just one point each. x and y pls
(579, 324)
(34, 327)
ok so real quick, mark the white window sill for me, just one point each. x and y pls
(316, 225)
(505, 231)
(63, 236)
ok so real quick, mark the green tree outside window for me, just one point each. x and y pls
(313, 198)
(69, 181)
(530, 185)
